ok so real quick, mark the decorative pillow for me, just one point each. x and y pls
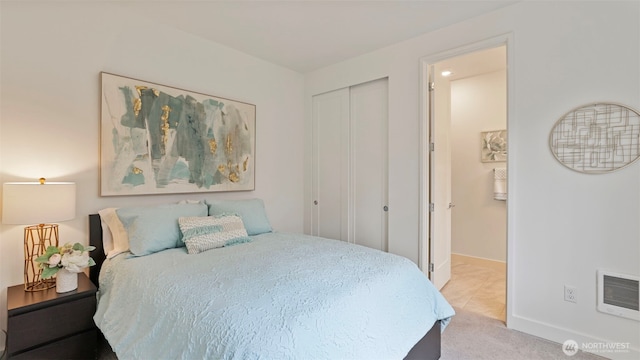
(114, 231)
(210, 232)
(155, 228)
(189, 201)
(251, 211)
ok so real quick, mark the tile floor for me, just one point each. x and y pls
(477, 288)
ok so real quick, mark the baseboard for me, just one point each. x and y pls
(478, 261)
(559, 335)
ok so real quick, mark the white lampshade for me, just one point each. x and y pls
(27, 203)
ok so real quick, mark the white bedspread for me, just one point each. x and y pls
(282, 296)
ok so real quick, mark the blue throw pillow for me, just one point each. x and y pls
(251, 211)
(155, 228)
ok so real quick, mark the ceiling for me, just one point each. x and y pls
(305, 35)
(473, 64)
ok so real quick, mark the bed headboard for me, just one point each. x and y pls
(95, 239)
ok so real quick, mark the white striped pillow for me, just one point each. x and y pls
(210, 232)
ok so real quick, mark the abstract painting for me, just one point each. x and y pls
(494, 146)
(157, 139)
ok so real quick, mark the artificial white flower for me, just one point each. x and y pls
(54, 260)
(75, 261)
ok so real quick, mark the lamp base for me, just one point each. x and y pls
(43, 284)
(36, 240)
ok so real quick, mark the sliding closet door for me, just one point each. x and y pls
(330, 165)
(369, 135)
(350, 164)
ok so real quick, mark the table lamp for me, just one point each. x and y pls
(38, 203)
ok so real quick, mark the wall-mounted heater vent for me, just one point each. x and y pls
(618, 294)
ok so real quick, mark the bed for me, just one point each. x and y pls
(269, 295)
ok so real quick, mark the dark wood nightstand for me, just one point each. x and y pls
(48, 325)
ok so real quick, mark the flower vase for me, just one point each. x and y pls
(66, 281)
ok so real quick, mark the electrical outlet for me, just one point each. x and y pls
(570, 294)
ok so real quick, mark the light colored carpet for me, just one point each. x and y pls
(472, 336)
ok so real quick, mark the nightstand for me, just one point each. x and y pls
(48, 325)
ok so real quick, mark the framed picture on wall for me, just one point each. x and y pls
(494, 146)
(157, 139)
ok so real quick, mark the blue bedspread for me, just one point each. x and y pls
(282, 296)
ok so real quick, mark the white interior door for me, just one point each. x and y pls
(369, 148)
(440, 179)
(330, 165)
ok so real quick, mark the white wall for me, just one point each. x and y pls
(479, 222)
(51, 57)
(563, 225)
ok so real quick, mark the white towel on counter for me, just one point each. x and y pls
(500, 184)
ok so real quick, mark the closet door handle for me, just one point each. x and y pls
(385, 208)
(451, 205)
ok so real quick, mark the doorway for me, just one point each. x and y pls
(464, 235)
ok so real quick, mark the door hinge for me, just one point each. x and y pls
(432, 146)
(432, 86)
(431, 267)
(432, 207)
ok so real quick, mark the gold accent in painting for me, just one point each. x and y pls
(140, 88)
(213, 146)
(137, 106)
(229, 145)
(165, 123)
